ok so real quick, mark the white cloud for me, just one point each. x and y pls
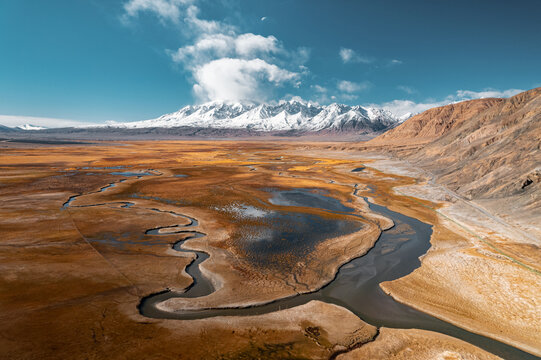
(348, 97)
(225, 64)
(319, 88)
(395, 62)
(351, 87)
(239, 67)
(234, 67)
(205, 49)
(320, 95)
(173, 11)
(348, 89)
(249, 44)
(404, 107)
(468, 94)
(350, 56)
(290, 97)
(19, 120)
(263, 18)
(231, 79)
(164, 9)
(344, 91)
(246, 46)
(204, 26)
(346, 54)
(348, 86)
(406, 89)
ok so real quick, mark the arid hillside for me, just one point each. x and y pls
(494, 152)
(488, 150)
(432, 124)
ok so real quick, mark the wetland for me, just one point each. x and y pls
(242, 232)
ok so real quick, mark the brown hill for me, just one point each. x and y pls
(492, 152)
(488, 150)
(433, 123)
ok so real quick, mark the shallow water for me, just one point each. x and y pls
(72, 198)
(130, 173)
(292, 235)
(356, 286)
(103, 168)
(307, 198)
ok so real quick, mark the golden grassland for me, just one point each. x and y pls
(73, 277)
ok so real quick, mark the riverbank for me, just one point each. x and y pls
(494, 264)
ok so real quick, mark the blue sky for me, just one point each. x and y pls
(107, 60)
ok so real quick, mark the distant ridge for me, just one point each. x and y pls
(7, 129)
(296, 116)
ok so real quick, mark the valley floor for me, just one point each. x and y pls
(74, 272)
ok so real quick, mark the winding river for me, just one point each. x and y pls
(355, 287)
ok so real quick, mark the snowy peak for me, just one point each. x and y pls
(296, 115)
(30, 127)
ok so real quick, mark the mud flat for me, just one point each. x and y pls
(357, 287)
(287, 251)
(415, 344)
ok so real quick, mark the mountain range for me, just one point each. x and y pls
(291, 115)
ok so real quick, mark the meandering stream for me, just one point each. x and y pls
(355, 287)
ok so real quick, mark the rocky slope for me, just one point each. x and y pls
(496, 152)
(481, 148)
(434, 123)
(488, 150)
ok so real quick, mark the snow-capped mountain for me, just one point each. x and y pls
(30, 127)
(284, 116)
